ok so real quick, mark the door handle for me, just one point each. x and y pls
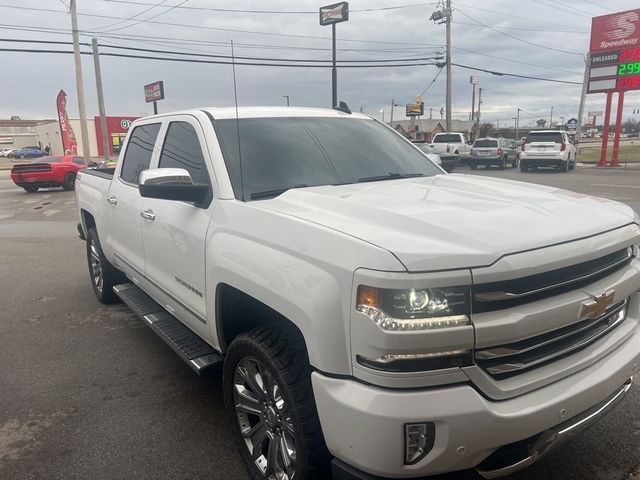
(148, 214)
(112, 200)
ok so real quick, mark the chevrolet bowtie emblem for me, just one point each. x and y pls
(598, 306)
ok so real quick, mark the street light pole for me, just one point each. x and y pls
(287, 97)
(86, 152)
(518, 123)
(551, 118)
(101, 111)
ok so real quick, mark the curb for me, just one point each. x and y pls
(623, 166)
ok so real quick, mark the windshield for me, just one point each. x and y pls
(290, 152)
(446, 139)
(426, 148)
(485, 143)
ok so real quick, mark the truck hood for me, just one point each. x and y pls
(453, 221)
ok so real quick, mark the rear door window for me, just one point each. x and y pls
(139, 151)
(182, 149)
(78, 160)
(545, 137)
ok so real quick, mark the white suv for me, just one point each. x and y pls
(547, 148)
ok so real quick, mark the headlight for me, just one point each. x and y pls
(415, 308)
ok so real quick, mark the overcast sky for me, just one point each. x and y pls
(30, 82)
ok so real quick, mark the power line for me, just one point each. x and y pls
(514, 61)
(203, 27)
(149, 18)
(134, 16)
(517, 38)
(296, 12)
(562, 9)
(504, 74)
(209, 55)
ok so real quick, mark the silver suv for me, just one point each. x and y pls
(493, 151)
(547, 148)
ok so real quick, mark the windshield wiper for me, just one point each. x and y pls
(274, 193)
(390, 176)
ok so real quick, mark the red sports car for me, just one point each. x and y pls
(55, 171)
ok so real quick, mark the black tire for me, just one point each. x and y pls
(572, 165)
(515, 162)
(278, 356)
(503, 163)
(69, 181)
(104, 276)
(22, 157)
(473, 166)
(524, 166)
(31, 189)
(564, 166)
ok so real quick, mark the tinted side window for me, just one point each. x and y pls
(139, 151)
(78, 160)
(182, 149)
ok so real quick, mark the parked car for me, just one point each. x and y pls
(56, 171)
(371, 316)
(547, 148)
(6, 151)
(493, 151)
(27, 152)
(451, 142)
(447, 161)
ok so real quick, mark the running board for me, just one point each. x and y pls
(190, 347)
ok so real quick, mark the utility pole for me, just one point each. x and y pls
(86, 153)
(448, 59)
(334, 70)
(583, 96)
(551, 118)
(392, 105)
(517, 123)
(103, 117)
(479, 103)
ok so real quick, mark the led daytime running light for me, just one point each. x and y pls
(419, 356)
(401, 324)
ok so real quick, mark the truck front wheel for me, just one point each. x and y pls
(104, 276)
(269, 399)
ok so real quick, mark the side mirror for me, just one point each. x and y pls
(171, 184)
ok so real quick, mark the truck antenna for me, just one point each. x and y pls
(235, 94)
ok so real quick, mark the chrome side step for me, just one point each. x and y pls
(188, 345)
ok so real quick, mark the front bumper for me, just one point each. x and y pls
(363, 424)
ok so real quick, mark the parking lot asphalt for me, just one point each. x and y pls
(88, 392)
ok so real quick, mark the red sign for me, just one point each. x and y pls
(334, 13)
(69, 142)
(117, 128)
(616, 31)
(154, 92)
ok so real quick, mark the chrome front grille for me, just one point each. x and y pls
(494, 296)
(508, 360)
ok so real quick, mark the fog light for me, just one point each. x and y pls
(418, 441)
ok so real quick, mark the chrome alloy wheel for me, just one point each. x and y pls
(96, 267)
(266, 424)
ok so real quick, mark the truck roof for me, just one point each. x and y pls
(258, 112)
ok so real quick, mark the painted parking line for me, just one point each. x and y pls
(613, 185)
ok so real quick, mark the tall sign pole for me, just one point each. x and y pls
(86, 152)
(103, 117)
(583, 96)
(330, 15)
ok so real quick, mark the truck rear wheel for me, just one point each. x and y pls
(269, 399)
(104, 276)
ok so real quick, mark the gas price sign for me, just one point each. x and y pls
(615, 71)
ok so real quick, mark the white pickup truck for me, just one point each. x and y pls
(450, 142)
(375, 316)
